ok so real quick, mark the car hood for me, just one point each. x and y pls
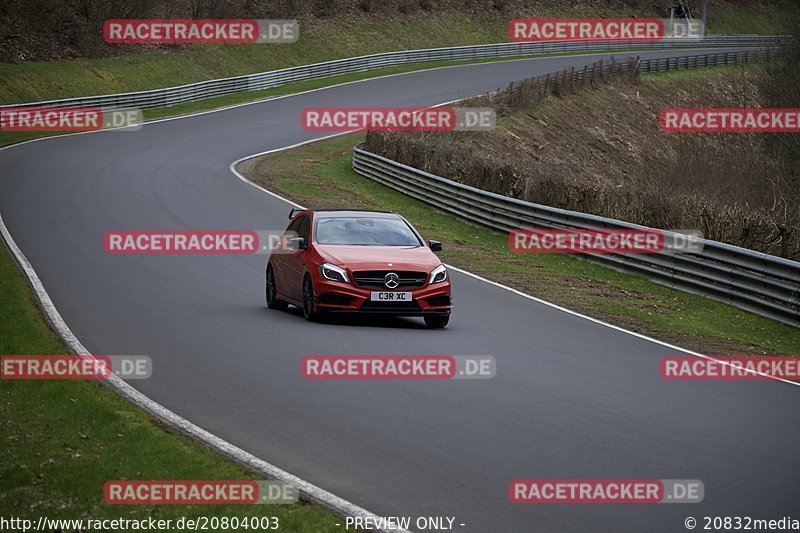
(415, 258)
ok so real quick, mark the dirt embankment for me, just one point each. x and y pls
(598, 149)
(47, 30)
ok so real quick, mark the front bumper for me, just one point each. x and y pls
(335, 297)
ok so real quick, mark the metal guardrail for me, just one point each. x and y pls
(707, 60)
(668, 64)
(264, 80)
(757, 282)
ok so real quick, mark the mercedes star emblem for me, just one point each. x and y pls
(391, 280)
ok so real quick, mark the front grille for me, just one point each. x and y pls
(374, 279)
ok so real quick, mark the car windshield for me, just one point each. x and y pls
(365, 231)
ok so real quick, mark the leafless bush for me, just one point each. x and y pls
(730, 186)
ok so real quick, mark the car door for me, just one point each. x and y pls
(283, 272)
(296, 260)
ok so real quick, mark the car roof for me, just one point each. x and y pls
(345, 213)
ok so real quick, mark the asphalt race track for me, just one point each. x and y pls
(572, 398)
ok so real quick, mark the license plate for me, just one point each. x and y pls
(377, 296)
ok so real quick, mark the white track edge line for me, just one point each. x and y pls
(312, 492)
(232, 168)
(612, 326)
(309, 491)
(291, 95)
(485, 280)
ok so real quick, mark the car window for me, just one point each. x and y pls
(304, 228)
(295, 223)
(365, 231)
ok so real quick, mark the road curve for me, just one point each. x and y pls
(572, 398)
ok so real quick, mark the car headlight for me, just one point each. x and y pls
(334, 273)
(438, 275)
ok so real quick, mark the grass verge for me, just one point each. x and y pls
(320, 40)
(319, 175)
(9, 138)
(63, 440)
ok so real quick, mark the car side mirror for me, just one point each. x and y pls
(436, 246)
(297, 243)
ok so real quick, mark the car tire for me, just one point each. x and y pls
(273, 302)
(436, 321)
(308, 300)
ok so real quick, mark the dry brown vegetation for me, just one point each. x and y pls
(597, 148)
(43, 30)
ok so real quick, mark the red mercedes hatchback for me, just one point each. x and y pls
(343, 261)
